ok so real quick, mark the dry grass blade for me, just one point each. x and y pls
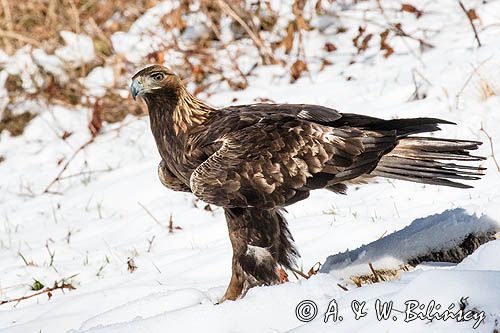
(58, 177)
(491, 148)
(18, 36)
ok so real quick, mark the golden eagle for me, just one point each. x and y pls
(253, 160)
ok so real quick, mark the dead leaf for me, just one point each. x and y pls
(282, 275)
(297, 68)
(156, 57)
(384, 46)
(95, 124)
(330, 47)
(318, 7)
(324, 63)
(364, 43)
(66, 135)
(406, 7)
(287, 42)
(314, 270)
(471, 13)
(131, 266)
(298, 11)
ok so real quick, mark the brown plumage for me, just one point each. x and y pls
(253, 160)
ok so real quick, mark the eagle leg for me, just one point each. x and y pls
(261, 241)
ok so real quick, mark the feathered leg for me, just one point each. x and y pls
(261, 241)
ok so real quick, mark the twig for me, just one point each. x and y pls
(100, 33)
(51, 254)
(58, 177)
(342, 287)
(469, 78)
(150, 241)
(170, 224)
(49, 291)
(233, 60)
(471, 23)
(10, 26)
(266, 56)
(377, 277)
(83, 173)
(491, 147)
(149, 213)
(22, 38)
(300, 273)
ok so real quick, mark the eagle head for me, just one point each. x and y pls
(152, 79)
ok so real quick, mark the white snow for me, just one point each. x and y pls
(144, 35)
(97, 221)
(23, 65)
(79, 48)
(98, 80)
(51, 64)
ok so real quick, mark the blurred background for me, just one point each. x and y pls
(80, 53)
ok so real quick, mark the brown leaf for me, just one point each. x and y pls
(297, 68)
(66, 135)
(364, 43)
(131, 267)
(49, 294)
(282, 275)
(406, 7)
(287, 42)
(330, 47)
(95, 124)
(314, 270)
(324, 63)
(355, 41)
(471, 13)
(157, 57)
(297, 9)
(303, 24)
(318, 7)
(384, 46)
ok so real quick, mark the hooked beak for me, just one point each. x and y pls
(136, 89)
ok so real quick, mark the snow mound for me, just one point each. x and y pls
(435, 233)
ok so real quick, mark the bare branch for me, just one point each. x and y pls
(48, 291)
(58, 177)
(471, 23)
(491, 147)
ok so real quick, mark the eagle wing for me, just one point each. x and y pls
(169, 180)
(277, 160)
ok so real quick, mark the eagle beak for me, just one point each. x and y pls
(136, 89)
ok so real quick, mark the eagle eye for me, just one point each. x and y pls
(158, 76)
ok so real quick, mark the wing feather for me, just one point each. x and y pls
(275, 163)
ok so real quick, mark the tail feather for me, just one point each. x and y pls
(403, 127)
(417, 159)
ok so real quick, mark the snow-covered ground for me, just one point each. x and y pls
(111, 206)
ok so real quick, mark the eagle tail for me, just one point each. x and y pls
(431, 161)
